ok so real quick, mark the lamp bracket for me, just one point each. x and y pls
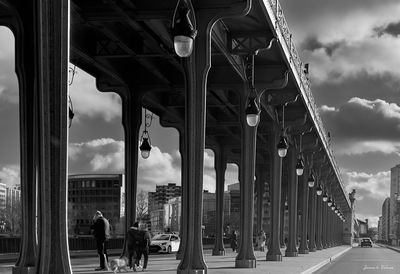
(244, 44)
(299, 126)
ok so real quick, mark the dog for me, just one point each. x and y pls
(119, 264)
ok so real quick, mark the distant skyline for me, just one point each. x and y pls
(353, 51)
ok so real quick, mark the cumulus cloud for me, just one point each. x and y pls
(363, 84)
(8, 79)
(371, 191)
(325, 108)
(373, 186)
(339, 38)
(104, 155)
(362, 126)
(339, 60)
(10, 175)
(89, 102)
(391, 29)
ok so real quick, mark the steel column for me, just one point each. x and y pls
(330, 229)
(291, 250)
(303, 248)
(324, 224)
(220, 168)
(282, 215)
(53, 55)
(131, 120)
(26, 63)
(312, 212)
(274, 252)
(319, 223)
(185, 194)
(245, 257)
(261, 176)
(197, 67)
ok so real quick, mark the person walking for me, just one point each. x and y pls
(101, 232)
(144, 246)
(262, 239)
(133, 240)
(234, 244)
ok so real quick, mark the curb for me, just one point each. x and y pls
(325, 262)
(390, 247)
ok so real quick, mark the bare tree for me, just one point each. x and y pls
(141, 205)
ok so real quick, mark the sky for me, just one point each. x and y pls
(353, 48)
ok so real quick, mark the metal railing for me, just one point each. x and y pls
(282, 27)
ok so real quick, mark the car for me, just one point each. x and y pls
(366, 242)
(164, 243)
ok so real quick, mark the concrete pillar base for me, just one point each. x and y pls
(179, 256)
(275, 258)
(218, 252)
(303, 251)
(291, 254)
(319, 248)
(24, 270)
(191, 271)
(314, 249)
(246, 263)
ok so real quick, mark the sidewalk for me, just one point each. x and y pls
(303, 264)
(85, 263)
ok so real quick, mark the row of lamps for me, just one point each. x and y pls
(184, 32)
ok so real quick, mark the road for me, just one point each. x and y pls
(365, 260)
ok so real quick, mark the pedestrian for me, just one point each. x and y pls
(101, 232)
(262, 238)
(133, 239)
(234, 241)
(144, 246)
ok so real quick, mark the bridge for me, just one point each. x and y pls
(241, 91)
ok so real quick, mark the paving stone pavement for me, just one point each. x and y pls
(167, 264)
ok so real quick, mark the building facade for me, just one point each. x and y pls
(163, 193)
(385, 220)
(3, 195)
(395, 205)
(380, 228)
(88, 193)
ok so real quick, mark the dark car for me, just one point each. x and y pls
(366, 242)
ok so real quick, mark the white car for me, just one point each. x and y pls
(164, 243)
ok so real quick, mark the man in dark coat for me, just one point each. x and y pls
(133, 239)
(144, 246)
(101, 232)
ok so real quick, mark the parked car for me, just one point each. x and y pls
(366, 242)
(164, 243)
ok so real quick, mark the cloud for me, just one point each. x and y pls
(312, 44)
(8, 79)
(368, 186)
(339, 38)
(10, 175)
(89, 102)
(362, 126)
(339, 60)
(391, 29)
(371, 191)
(363, 84)
(104, 155)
